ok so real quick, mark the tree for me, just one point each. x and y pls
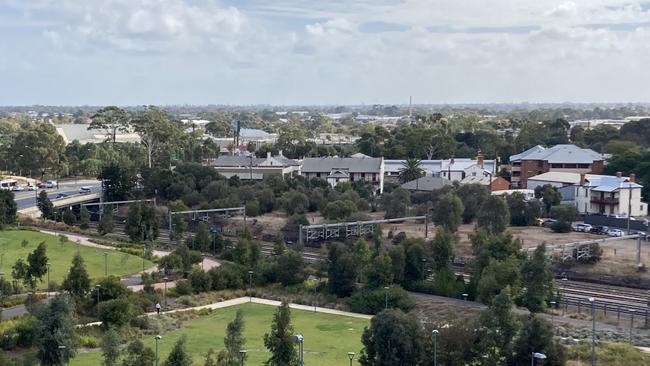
(45, 206)
(537, 278)
(179, 225)
(77, 283)
(117, 312)
(398, 260)
(118, 181)
(138, 355)
(54, 329)
(111, 347)
(111, 119)
(142, 223)
(494, 215)
(443, 250)
(84, 218)
(415, 260)
(395, 203)
(523, 212)
(393, 339)
(179, 356)
(295, 202)
(106, 223)
(411, 169)
(35, 267)
(498, 275)
(234, 341)
(472, 196)
(497, 326)
(38, 148)
(342, 272)
(536, 335)
(280, 341)
(8, 208)
(448, 212)
(202, 238)
(155, 130)
(362, 255)
(565, 215)
(291, 268)
(69, 217)
(339, 210)
(549, 195)
(380, 271)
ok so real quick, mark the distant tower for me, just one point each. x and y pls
(410, 108)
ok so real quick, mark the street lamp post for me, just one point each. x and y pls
(48, 280)
(631, 324)
(144, 250)
(97, 288)
(386, 288)
(552, 314)
(351, 357)
(250, 286)
(105, 264)
(242, 356)
(157, 338)
(434, 333)
(165, 291)
(298, 338)
(593, 330)
(536, 355)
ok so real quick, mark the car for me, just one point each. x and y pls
(32, 188)
(85, 189)
(40, 185)
(585, 228)
(548, 222)
(615, 232)
(50, 184)
(17, 188)
(60, 196)
(600, 230)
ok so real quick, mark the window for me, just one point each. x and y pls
(586, 193)
(374, 177)
(363, 175)
(317, 175)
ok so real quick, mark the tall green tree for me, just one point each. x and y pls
(84, 218)
(142, 223)
(179, 355)
(448, 212)
(77, 283)
(54, 332)
(39, 149)
(280, 341)
(497, 327)
(472, 196)
(494, 215)
(380, 271)
(202, 238)
(157, 133)
(234, 341)
(111, 347)
(537, 278)
(45, 206)
(393, 339)
(536, 335)
(442, 250)
(106, 223)
(411, 169)
(138, 355)
(342, 272)
(34, 269)
(112, 119)
(118, 181)
(8, 208)
(291, 268)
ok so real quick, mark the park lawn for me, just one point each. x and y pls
(328, 338)
(60, 256)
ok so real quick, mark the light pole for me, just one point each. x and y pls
(552, 314)
(97, 288)
(157, 338)
(250, 286)
(165, 291)
(144, 249)
(593, 330)
(48, 280)
(29, 298)
(298, 338)
(631, 324)
(105, 264)
(434, 333)
(386, 288)
(242, 356)
(351, 357)
(536, 355)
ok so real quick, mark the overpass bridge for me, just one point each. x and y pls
(76, 200)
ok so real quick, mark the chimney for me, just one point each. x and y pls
(583, 179)
(619, 174)
(479, 160)
(268, 155)
(632, 178)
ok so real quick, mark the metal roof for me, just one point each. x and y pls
(435, 166)
(353, 165)
(559, 154)
(602, 183)
(426, 184)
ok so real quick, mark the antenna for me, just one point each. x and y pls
(410, 108)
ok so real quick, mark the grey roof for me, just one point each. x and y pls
(433, 167)
(558, 154)
(353, 165)
(236, 161)
(426, 184)
(252, 132)
(339, 173)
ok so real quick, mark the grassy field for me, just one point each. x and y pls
(328, 338)
(60, 256)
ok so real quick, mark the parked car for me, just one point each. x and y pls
(585, 228)
(32, 188)
(40, 185)
(615, 232)
(17, 188)
(600, 230)
(548, 222)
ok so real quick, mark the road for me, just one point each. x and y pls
(26, 199)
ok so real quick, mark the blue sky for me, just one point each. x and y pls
(130, 52)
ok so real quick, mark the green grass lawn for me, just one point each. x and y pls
(60, 256)
(328, 338)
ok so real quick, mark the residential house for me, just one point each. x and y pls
(452, 169)
(250, 167)
(493, 183)
(80, 132)
(426, 184)
(336, 170)
(596, 194)
(560, 158)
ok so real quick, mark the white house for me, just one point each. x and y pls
(452, 169)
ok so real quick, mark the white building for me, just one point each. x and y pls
(452, 169)
(596, 194)
(336, 170)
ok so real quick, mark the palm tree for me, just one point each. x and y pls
(411, 169)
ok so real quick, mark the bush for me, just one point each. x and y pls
(368, 301)
(561, 227)
(200, 281)
(87, 341)
(117, 312)
(183, 287)
(227, 276)
(252, 208)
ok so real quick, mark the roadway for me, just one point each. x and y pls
(26, 199)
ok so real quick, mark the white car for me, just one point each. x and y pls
(85, 189)
(50, 184)
(17, 188)
(32, 188)
(615, 232)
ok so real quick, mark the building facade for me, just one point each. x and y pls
(252, 168)
(337, 170)
(451, 169)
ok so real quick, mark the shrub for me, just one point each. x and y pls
(200, 281)
(87, 341)
(117, 312)
(183, 287)
(368, 301)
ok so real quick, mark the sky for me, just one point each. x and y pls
(319, 52)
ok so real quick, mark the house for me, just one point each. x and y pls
(246, 136)
(560, 158)
(336, 170)
(596, 194)
(426, 184)
(529, 194)
(452, 169)
(250, 167)
(491, 182)
(81, 133)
